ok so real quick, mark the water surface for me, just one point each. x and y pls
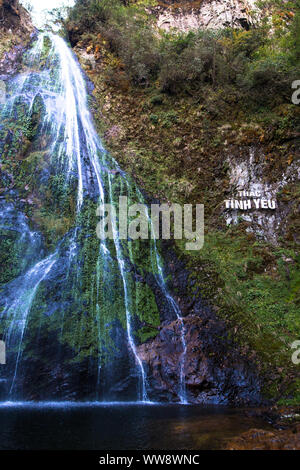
(90, 426)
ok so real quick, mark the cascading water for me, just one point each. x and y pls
(75, 309)
(18, 308)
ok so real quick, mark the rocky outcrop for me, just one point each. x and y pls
(253, 175)
(259, 439)
(214, 372)
(14, 17)
(189, 15)
(16, 29)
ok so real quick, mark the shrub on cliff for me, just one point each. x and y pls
(87, 14)
(265, 57)
(138, 50)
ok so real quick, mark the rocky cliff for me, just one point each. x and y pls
(193, 117)
(214, 372)
(191, 15)
(16, 29)
(198, 117)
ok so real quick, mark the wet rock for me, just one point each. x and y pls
(259, 439)
(213, 373)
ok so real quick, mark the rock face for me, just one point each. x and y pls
(252, 174)
(16, 30)
(213, 371)
(189, 15)
(259, 439)
(15, 17)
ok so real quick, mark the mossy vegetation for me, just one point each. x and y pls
(171, 107)
(10, 255)
(255, 289)
(246, 61)
(82, 306)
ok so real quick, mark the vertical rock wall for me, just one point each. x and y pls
(190, 15)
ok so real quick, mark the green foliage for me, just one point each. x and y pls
(294, 396)
(248, 61)
(157, 99)
(154, 118)
(261, 309)
(10, 255)
(195, 83)
(88, 12)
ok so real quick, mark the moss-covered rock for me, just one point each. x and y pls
(181, 148)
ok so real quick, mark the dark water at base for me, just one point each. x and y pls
(119, 427)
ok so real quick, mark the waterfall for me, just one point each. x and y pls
(81, 292)
(19, 307)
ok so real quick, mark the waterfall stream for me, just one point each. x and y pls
(74, 302)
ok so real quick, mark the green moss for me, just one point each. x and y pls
(253, 292)
(87, 325)
(173, 145)
(10, 255)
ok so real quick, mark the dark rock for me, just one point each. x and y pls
(214, 372)
(16, 27)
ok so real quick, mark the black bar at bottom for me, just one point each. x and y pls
(135, 459)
